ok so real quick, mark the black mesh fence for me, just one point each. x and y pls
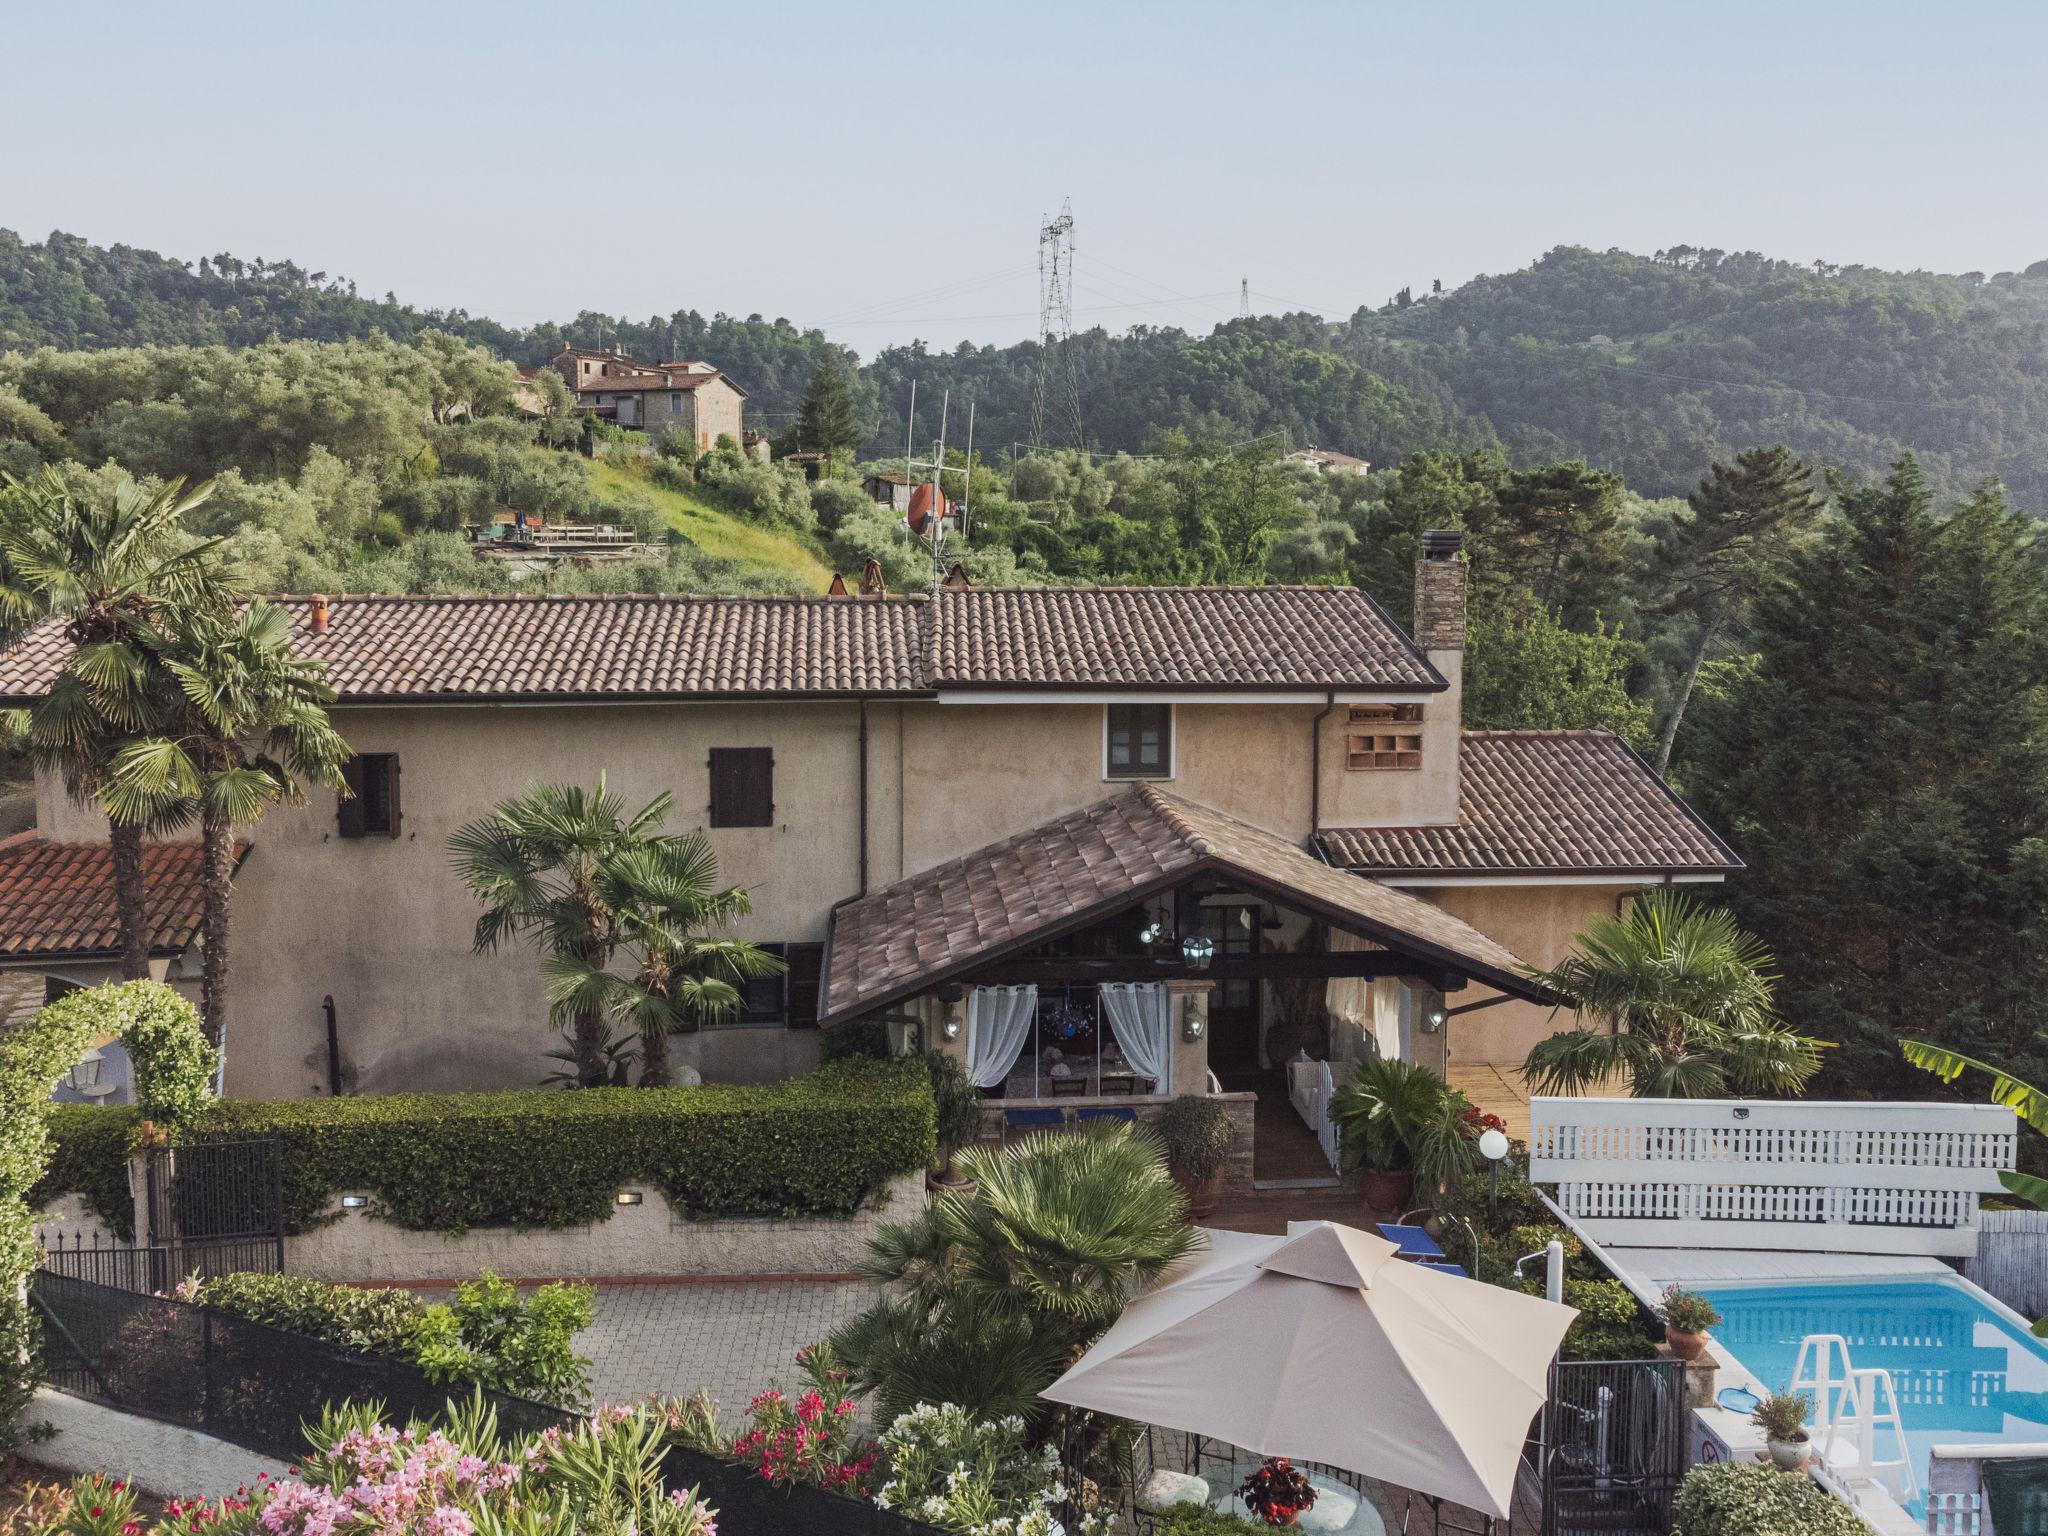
(748, 1506)
(236, 1380)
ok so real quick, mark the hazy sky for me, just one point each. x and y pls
(881, 169)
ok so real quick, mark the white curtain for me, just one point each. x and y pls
(1141, 1022)
(999, 1021)
(1348, 1000)
(1390, 1018)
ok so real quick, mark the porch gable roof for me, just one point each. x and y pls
(1033, 887)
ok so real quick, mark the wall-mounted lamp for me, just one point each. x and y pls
(1198, 949)
(1742, 1113)
(1153, 932)
(354, 1202)
(950, 1028)
(85, 1076)
(1432, 1020)
(628, 1197)
(1192, 1020)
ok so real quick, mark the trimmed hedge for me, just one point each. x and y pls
(89, 1157)
(815, 1145)
(1732, 1498)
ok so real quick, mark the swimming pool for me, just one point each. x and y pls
(1963, 1370)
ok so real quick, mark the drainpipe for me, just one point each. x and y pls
(1315, 768)
(863, 794)
(333, 1048)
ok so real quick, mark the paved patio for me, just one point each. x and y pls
(731, 1339)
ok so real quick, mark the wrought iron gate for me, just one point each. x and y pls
(1612, 1447)
(217, 1207)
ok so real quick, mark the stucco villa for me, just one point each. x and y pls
(1106, 843)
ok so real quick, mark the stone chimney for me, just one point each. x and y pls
(872, 583)
(316, 612)
(1440, 592)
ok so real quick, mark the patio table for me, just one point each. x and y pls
(1339, 1510)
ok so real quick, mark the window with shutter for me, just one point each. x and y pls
(806, 981)
(370, 809)
(1138, 741)
(765, 999)
(742, 787)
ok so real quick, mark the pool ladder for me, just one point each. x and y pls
(1850, 1407)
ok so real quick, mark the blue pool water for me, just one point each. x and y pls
(1962, 1371)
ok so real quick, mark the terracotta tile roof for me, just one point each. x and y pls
(484, 647)
(57, 899)
(1545, 802)
(598, 385)
(1249, 637)
(1027, 889)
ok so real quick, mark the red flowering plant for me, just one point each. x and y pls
(811, 1439)
(1476, 1122)
(96, 1505)
(1277, 1493)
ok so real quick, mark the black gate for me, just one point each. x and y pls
(217, 1207)
(1612, 1447)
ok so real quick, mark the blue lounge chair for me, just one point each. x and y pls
(1032, 1119)
(1122, 1112)
(1410, 1242)
(1444, 1269)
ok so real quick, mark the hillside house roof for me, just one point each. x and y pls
(1096, 639)
(1545, 802)
(1017, 894)
(641, 383)
(57, 899)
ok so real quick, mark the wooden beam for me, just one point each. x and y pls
(1081, 968)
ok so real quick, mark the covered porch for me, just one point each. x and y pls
(1147, 947)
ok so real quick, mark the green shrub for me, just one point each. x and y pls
(1197, 1135)
(1195, 1520)
(491, 1336)
(89, 1157)
(1609, 1325)
(957, 1106)
(819, 1144)
(1752, 1499)
(374, 1321)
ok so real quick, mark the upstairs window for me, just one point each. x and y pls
(742, 787)
(790, 999)
(1383, 736)
(1138, 741)
(675, 403)
(370, 809)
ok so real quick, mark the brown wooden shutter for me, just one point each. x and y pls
(742, 787)
(806, 977)
(349, 813)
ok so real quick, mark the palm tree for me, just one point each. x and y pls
(2029, 1102)
(253, 727)
(1398, 1117)
(1685, 996)
(112, 570)
(665, 901)
(995, 1293)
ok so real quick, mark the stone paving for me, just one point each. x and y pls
(733, 1340)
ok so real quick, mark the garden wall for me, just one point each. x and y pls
(165, 1459)
(649, 1239)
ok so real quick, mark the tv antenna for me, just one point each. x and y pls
(1056, 396)
(929, 511)
(1244, 298)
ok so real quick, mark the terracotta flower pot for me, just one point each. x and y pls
(1686, 1346)
(1388, 1191)
(1202, 1194)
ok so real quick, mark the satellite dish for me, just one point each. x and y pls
(922, 501)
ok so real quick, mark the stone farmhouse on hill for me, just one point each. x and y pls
(1106, 843)
(693, 398)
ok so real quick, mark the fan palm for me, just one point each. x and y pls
(998, 1291)
(112, 570)
(667, 909)
(1685, 996)
(1398, 1117)
(253, 727)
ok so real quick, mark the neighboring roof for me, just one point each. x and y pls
(57, 899)
(598, 384)
(1546, 802)
(1167, 637)
(1313, 454)
(424, 648)
(1027, 890)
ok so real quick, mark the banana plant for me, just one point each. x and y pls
(2023, 1098)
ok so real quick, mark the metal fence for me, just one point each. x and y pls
(1611, 1448)
(747, 1506)
(239, 1381)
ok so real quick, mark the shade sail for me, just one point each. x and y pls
(1322, 1346)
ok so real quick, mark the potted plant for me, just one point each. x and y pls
(1197, 1135)
(1277, 1493)
(1782, 1418)
(959, 1117)
(1403, 1126)
(1686, 1316)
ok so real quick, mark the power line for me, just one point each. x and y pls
(1058, 386)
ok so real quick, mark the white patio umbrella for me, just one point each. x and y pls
(1322, 1346)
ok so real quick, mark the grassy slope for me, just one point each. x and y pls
(715, 532)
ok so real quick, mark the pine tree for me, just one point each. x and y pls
(1745, 522)
(828, 424)
(1883, 768)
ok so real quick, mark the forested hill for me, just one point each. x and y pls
(1652, 367)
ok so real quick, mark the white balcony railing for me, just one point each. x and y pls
(1723, 1173)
